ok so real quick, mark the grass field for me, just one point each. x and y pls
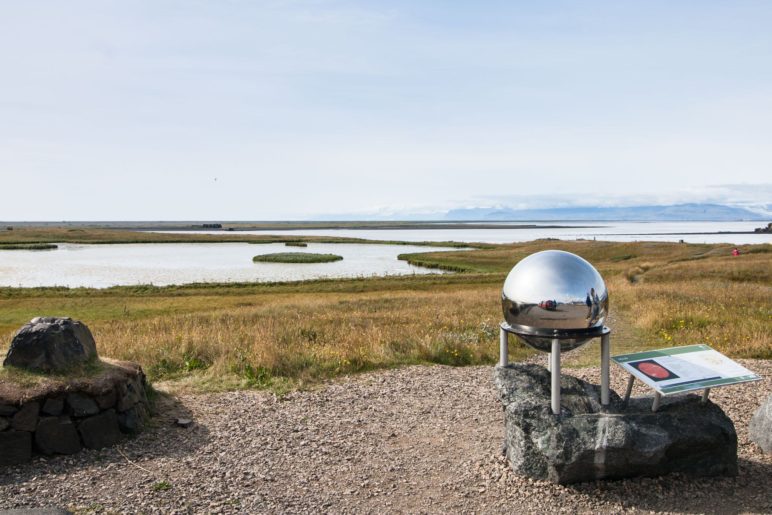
(284, 335)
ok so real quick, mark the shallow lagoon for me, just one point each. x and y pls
(161, 264)
(101, 266)
(690, 232)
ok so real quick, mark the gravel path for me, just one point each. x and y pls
(417, 439)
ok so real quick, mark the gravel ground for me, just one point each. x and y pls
(417, 439)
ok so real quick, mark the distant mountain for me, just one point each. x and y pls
(673, 213)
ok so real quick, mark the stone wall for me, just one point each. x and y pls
(64, 416)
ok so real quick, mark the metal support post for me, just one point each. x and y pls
(555, 370)
(503, 347)
(657, 400)
(605, 345)
(629, 391)
(705, 394)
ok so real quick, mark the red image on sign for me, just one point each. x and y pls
(654, 370)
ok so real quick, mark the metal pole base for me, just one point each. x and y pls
(553, 363)
(657, 401)
(503, 347)
(555, 373)
(629, 390)
(605, 346)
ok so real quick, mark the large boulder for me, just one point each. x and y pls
(760, 428)
(586, 442)
(51, 344)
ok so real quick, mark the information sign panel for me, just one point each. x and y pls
(683, 369)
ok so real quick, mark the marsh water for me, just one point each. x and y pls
(509, 232)
(161, 264)
(101, 266)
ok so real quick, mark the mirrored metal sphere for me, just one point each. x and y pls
(554, 290)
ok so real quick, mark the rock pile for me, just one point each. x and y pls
(584, 443)
(60, 414)
(64, 417)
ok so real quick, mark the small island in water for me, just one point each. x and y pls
(296, 257)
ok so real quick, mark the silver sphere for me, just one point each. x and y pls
(552, 290)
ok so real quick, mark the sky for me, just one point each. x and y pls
(268, 110)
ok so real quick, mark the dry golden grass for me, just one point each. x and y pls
(713, 298)
(307, 338)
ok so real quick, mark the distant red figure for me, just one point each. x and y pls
(735, 252)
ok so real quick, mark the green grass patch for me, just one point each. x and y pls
(296, 257)
(295, 244)
(162, 486)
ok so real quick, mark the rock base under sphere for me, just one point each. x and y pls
(585, 444)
